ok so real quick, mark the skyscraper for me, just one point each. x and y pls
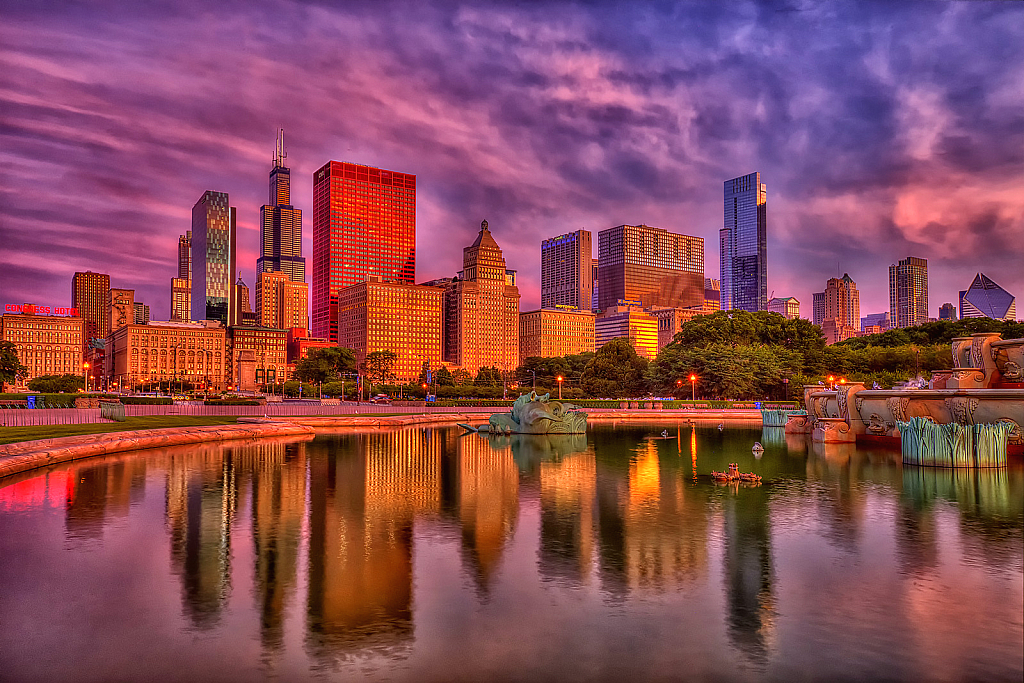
(281, 303)
(364, 223)
(744, 245)
(185, 256)
(213, 258)
(181, 300)
(908, 292)
(281, 224)
(841, 314)
(89, 294)
(482, 311)
(985, 299)
(818, 308)
(649, 267)
(566, 271)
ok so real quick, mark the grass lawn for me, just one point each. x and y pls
(13, 434)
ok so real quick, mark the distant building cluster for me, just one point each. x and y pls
(637, 282)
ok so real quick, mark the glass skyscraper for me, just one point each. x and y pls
(744, 245)
(908, 292)
(645, 266)
(213, 258)
(281, 224)
(364, 224)
(566, 271)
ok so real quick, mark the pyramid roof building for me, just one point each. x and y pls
(985, 299)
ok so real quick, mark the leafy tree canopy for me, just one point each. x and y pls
(615, 371)
(55, 384)
(379, 366)
(725, 371)
(487, 377)
(10, 367)
(324, 365)
(443, 378)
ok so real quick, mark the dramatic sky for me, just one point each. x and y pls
(882, 129)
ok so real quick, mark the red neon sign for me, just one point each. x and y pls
(32, 309)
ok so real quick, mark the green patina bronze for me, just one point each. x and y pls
(534, 414)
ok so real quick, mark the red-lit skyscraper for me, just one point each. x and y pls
(364, 223)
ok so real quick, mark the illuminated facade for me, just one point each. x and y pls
(481, 311)
(744, 245)
(300, 344)
(281, 302)
(788, 307)
(386, 316)
(181, 300)
(185, 255)
(566, 271)
(364, 224)
(256, 356)
(639, 327)
(840, 309)
(45, 344)
(908, 292)
(281, 224)
(641, 265)
(551, 332)
(671, 320)
(166, 351)
(712, 294)
(213, 258)
(90, 293)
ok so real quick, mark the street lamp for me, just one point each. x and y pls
(693, 387)
(831, 382)
(85, 376)
(679, 385)
(560, 379)
(534, 373)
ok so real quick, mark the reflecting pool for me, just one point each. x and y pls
(425, 555)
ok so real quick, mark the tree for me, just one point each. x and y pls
(56, 384)
(378, 366)
(324, 365)
(461, 377)
(725, 371)
(11, 368)
(615, 371)
(487, 377)
(443, 378)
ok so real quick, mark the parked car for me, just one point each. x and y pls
(382, 399)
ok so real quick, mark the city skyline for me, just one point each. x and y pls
(917, 165)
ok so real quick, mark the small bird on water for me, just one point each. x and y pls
(721, 427)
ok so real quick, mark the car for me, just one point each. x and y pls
(382, 399)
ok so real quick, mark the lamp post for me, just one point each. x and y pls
(831, 382)
(85, 376)
(560, 379)
(534, 373)
(679, 385)
(693, 387)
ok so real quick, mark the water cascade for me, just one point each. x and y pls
(927, 443)
(778, 418)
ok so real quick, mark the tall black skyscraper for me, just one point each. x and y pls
(213, 258)
(744, 245)
(281, 224)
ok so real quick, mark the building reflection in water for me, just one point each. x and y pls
(568, 501)
(486, 503)
(749, 573)
(96, 492)
(201, 500)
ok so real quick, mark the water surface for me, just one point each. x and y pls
(423, 555)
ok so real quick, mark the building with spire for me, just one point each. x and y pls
(481, 311)
(985, 299)
(281, 224)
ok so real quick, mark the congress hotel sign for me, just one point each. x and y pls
(32, 309)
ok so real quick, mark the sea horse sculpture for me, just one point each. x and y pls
(533, 414)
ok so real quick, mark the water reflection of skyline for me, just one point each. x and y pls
(333, 523)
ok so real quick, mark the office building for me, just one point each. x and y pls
(744, 245)
(818, 308)
(389, 316)
(45, 344)
(947, 312)
(908, 292)
(566, 271)
(873, 320)
(181, 300)
(300, 344)
(120, 309)
(141, 313)
(712, 294)
(629, 322)
(213, 258)
(645, 266)
(257, 356)
(185, 255)
(671, 321)
(90, 293)
(281, 302)
(281, 224)
(788, 307)
(551, 332)
(481, 311)
(841, 313)
(193, 353)
(593, 296)
(985, 299)
(364, 224)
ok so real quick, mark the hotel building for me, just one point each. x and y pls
(639, 327)
(908, 292)
(213, 258)
(744, 245)
(166, 351)
(45, 344)
(566, 271)
(364, 224)
(481, 311)
(550, 332)
(90, 293)
(641, 265)
(388, 316)
(281, 224)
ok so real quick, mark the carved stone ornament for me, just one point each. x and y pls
(962, 409)
(841, 398)
(1013, 372)
(1016, 435)
(976, 358)
(898, 407)
(859, 402)
(876, 425)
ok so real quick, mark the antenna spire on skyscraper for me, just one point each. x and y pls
(279, 153)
